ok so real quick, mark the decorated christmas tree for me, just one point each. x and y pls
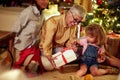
(106, 13)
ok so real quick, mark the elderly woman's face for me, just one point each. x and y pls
(73, 19)
(42, 3)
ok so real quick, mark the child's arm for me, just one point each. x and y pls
(101, 55)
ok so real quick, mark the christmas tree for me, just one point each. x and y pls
(106, 13)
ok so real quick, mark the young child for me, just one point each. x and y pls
(93, 45)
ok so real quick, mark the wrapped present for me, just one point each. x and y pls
(113, 44)
(65, 56)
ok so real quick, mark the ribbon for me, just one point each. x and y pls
(64, 59)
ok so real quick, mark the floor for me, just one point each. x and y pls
(67, 74)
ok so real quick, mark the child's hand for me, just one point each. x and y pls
(101, 58)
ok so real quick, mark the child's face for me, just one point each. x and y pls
(91, 39)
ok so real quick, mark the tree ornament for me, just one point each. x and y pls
(99, 2)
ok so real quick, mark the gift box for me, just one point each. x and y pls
(113, 44)
(64, 57)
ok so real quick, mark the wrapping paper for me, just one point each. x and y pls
(64, 57)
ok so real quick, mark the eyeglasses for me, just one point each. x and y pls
(76, 21)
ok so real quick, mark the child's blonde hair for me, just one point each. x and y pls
(96, 30)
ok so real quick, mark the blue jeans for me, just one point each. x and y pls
(90, 56)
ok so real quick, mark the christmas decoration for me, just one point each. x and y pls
(99, 2)
(106, 13)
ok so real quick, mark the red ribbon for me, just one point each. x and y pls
(64, 59)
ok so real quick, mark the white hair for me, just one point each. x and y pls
(80, 10)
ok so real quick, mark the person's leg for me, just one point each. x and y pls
(112, 60)
(17, 55)
(82, 71)
(98, 72)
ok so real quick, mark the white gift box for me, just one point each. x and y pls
(62, 58)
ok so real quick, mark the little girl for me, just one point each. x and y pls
(93, 45)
